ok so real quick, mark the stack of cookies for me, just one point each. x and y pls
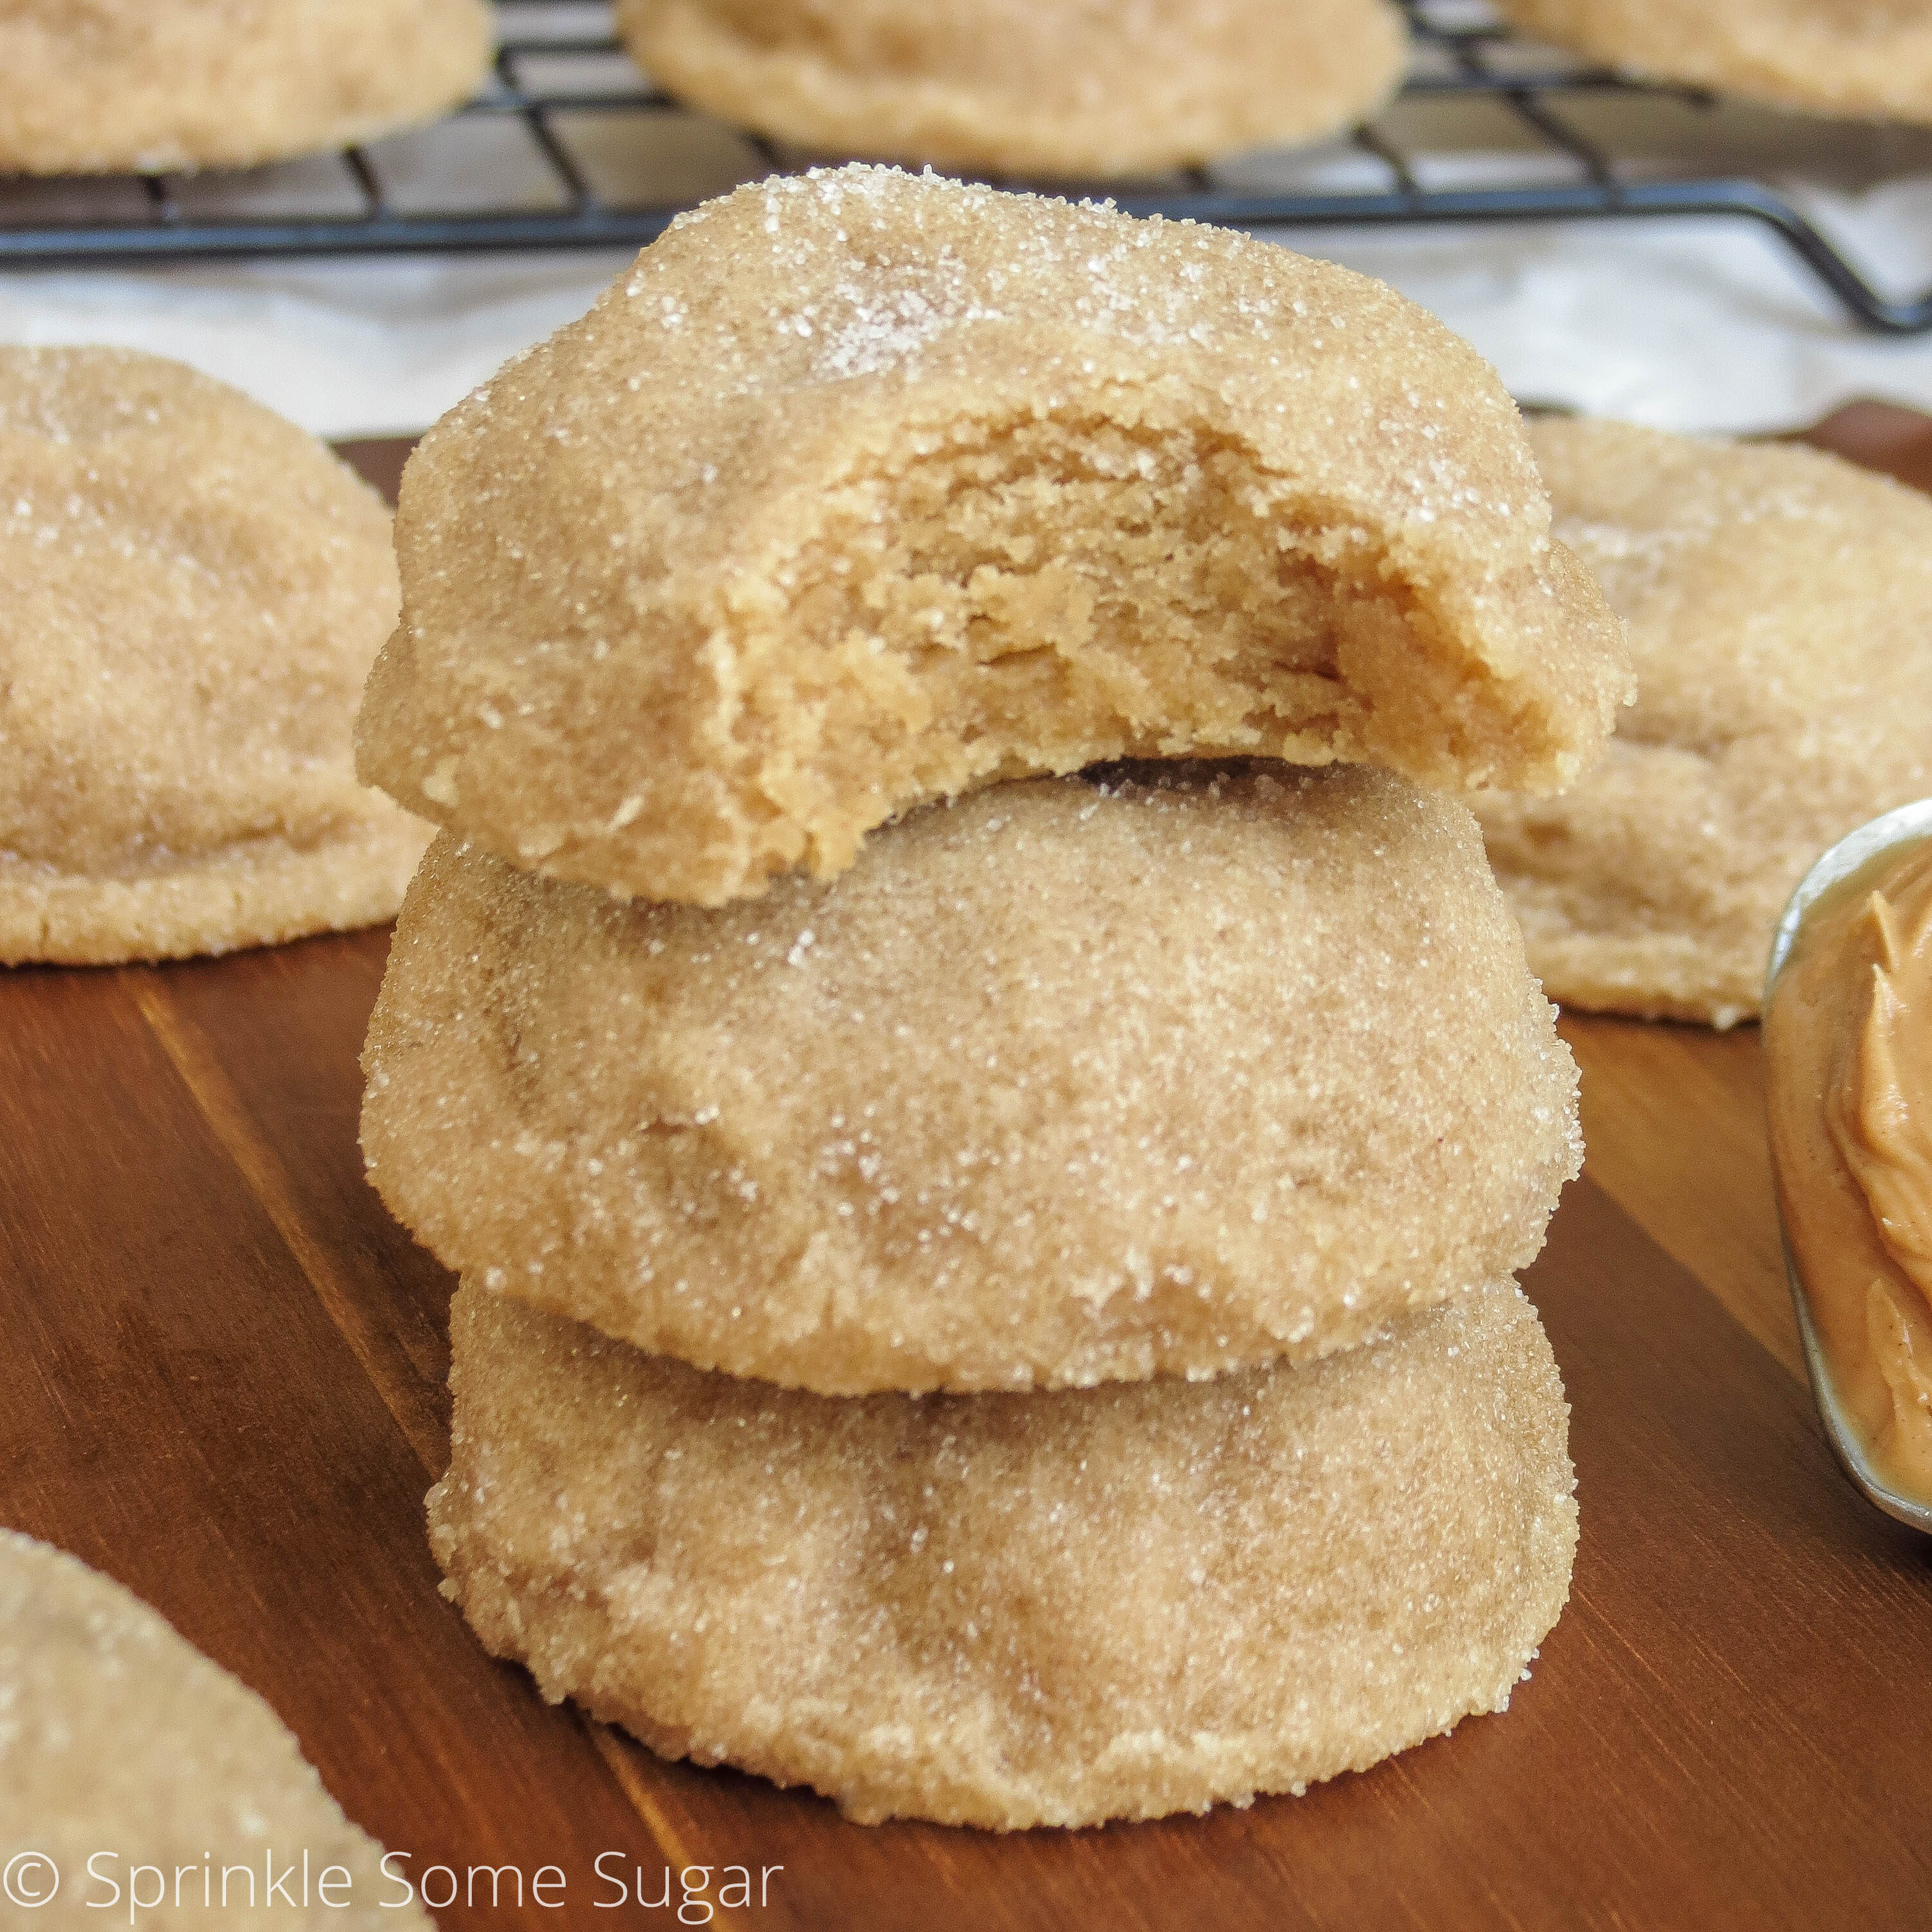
(985, 1188)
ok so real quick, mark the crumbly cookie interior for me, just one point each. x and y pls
(1033, 596)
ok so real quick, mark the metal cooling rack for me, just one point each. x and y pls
(568, 147)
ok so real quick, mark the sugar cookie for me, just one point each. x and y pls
(195, 589)
(108, 86)
(860, 489)
(1859, 59)
(1056, 1084)
(117, 1737)
(1010, 1610)
(1066, 87)
(1777, 601)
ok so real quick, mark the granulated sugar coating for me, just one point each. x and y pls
(1069, 87)
(195, 590)
(1057, 1085)
(111, 86)
(1855, 58)
(118, 1736)
(1777, 600)
(861, 488)
(1011, 1610)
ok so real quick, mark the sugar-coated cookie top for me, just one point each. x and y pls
(1069, 88)
(1851, 57)
(718, 578)
(1767, 588)
(1056, 1084)
(1017, 1610)
(1777, 601)
(116, 86)
(116, 1735)
(195, 589)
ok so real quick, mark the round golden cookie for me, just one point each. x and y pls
(195, 591)
(1860, 58)
(1066, 87)
(1777, 599)
(109, 86)
(861, 488)
(1009, 1610)
(122, 1746)
(1058, 1084)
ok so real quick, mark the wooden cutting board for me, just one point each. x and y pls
(222, 1380)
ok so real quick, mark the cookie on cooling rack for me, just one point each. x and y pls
(1777, 601)
(121, 1738)
(195, 589)
(865, 487)
(111, 86)
(1010, 1610)
(1057, 1085)
(1055, 87)
(1860, 58)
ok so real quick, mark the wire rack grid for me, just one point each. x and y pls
(570, 147)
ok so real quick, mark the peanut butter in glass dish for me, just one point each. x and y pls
(1848, 1053)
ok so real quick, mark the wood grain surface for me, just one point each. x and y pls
(222, 1373)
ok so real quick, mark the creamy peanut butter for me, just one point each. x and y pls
(1848, 1047)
